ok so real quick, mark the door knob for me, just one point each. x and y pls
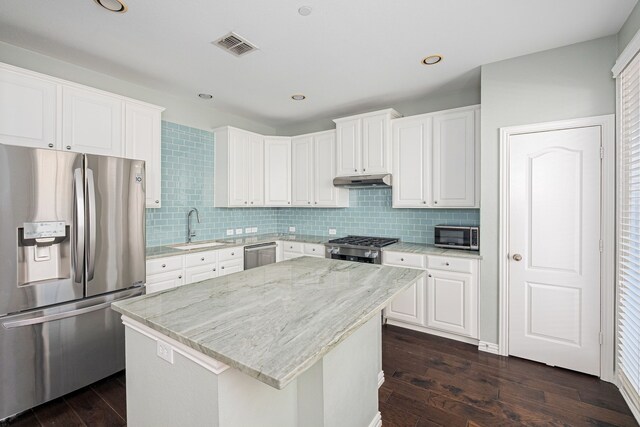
(517, 257)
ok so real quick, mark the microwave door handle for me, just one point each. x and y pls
(78, 233)
(91, 252)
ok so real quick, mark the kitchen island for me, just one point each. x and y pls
(295, 343)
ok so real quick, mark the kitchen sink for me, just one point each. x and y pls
(188, 246)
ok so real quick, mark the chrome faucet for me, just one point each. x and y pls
(190, 232)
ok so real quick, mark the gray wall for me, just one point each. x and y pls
(427, 104)
(568, 82)
(195, 113)
(629, 28)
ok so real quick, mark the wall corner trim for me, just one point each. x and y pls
(488, 347)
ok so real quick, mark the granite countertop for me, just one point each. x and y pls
(419, 248)
(273, 322)
(170, 250)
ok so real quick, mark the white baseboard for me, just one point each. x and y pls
(430, 331)
(629, 395)
(380, 378)
(489, 347)
(377, 421)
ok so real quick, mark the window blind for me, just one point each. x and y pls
(629, 230)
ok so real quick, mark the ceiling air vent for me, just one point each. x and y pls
(235, 44)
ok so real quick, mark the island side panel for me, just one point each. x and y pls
(163, 394)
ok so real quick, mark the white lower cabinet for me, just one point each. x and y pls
(298, 249)
(173, 271)
(443, 303)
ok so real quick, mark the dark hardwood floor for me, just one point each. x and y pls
(429, 381)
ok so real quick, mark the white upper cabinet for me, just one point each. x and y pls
(239, 168)
(27, 110)
(313, 165)
(435, 160)
(364, 143)
(411, 157)
(142, 141)
(277, 171)
(454, 159)
(92, 122)
(302, 170)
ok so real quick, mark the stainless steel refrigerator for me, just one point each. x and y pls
(72, 241)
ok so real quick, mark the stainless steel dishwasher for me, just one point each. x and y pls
(258, 255)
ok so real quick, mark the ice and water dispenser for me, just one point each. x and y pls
(44, 252)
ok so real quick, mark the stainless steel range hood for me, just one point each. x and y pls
(363, 181)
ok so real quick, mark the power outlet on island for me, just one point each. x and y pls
(292, 229)
(165, 351)
(332, 232)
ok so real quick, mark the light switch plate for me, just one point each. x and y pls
(247, 230)
(230, 232)
(292, 229)
(332, 232)
(254, 229)
(165, 351)
(238, 230)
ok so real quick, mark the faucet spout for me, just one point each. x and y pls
(191, 233)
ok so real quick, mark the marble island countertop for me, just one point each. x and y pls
(420, 248)
(275, 321)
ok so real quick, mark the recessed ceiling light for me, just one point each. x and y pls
(205, 96)
(305, 11)
(432, 59)
(118, 6)
(298, 97)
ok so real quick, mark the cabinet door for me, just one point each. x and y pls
(454, 160)
(164, 281)
(451, 303)
(376, 145)
(349, 141)
(325, 194)
(91, 122)
(302, 171)
(229, 267)
(27, 110)
(142, 141)
(238, 168)
(409, 306)
(255, 154)
(277, 171)
(200, 273)
(411, 155)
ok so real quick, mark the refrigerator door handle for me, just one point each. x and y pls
(78, 234)
(66, 314)
(91, 252)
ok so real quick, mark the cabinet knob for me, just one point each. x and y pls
(245, 203)
(308, 203)
(50, 145)
(180, 276)
(364, 170)
(222, 267)
(288, 203)
(316, 203)
(430, 276)
(435, 202)
(401, 259)
(157, 201)
(202, 259)
(233, 253)
(424, 202)
(446, 263)
(355, 170)
(68, 147)
(251, 202)
(314, 249)
(214, 269)
(164, 265)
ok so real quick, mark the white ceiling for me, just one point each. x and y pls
(347, 56)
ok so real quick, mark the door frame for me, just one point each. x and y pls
(607, 232)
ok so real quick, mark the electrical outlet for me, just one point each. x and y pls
(332, 232)
(254, 229)
(230, 232)
(292, 229)
(238, 230)
(247, 230)
(165, 351)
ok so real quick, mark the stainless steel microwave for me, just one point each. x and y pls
(457, 237)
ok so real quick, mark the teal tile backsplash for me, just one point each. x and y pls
(187, 181)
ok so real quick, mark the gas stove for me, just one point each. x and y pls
(358, 248)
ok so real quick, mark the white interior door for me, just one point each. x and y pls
(554, 247)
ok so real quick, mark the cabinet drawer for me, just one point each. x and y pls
(230, 253)
(404, 259)
(230, 266)
(295, 247)
(201, 258)
(162, 265)
(164, 281)
(314, 250)
(460, 265)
